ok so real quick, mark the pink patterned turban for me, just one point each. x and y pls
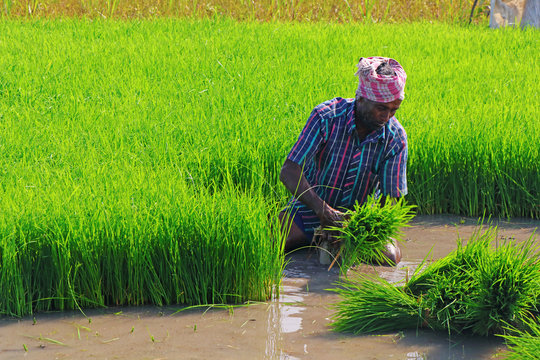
(380, 88)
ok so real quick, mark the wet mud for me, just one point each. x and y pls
(295, 326)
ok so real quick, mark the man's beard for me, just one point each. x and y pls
(366, 120)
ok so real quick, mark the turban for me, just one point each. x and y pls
(380, 88)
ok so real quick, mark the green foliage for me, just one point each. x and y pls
(369, 228)
(481, 287)
(165, 97)
(524, 344)
(212, 248)
(372, 305)
(507, 284)
(110, 131)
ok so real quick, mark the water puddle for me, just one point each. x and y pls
(294, 326)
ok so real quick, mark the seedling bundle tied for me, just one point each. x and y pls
(487, 286)
(369, 229)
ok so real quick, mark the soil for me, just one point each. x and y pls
(295, 326)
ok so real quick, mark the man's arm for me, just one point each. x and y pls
(292, 177)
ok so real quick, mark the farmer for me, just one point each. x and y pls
(348, 149)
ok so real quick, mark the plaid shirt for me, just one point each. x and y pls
(340, 168)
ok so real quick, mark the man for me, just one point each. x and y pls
(348, 149)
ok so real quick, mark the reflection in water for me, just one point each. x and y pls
(395, 274)
(415, 356)
(288, 306)
(282, 321)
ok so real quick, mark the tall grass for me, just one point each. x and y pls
(262, 10)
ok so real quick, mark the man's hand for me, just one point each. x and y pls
(330, 216)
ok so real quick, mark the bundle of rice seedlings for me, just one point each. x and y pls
(524, 344)
(507, 283)
(480, 287)
(375, 305)
(369, 228)
(447, 283)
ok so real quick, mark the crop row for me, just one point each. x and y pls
(452, 11)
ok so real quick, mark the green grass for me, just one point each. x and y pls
(83, 101)
(524, 344)
(114, 134)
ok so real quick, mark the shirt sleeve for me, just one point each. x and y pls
(309, 141)
(393, 174)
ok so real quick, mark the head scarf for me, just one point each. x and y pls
(380, 88)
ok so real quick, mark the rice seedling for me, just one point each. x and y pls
(135, 150)
(368, 228)
(477, 288)
(215, 249)
(375, 305)
(507, 285)
(523, 344)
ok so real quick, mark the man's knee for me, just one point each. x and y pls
(295, 237)
(392, 253)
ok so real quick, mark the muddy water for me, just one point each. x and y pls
(293, 327)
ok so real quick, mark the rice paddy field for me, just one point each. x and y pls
(141, 158)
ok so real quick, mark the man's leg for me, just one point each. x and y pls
(296, 237)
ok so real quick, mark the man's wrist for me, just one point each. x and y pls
(321, 209)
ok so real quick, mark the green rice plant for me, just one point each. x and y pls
(374, 305)
(481, 287)
(111, 7)
(507, 285)
(447, 283)
(523, 344)
(368, 228)
(121, 109)
(110, 130)
(219, 248)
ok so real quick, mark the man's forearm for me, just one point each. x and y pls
(294, 180)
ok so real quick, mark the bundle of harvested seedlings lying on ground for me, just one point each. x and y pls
(524, 344)
(369, 228)
(484, 286)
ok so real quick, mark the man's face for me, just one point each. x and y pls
(374, 115)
